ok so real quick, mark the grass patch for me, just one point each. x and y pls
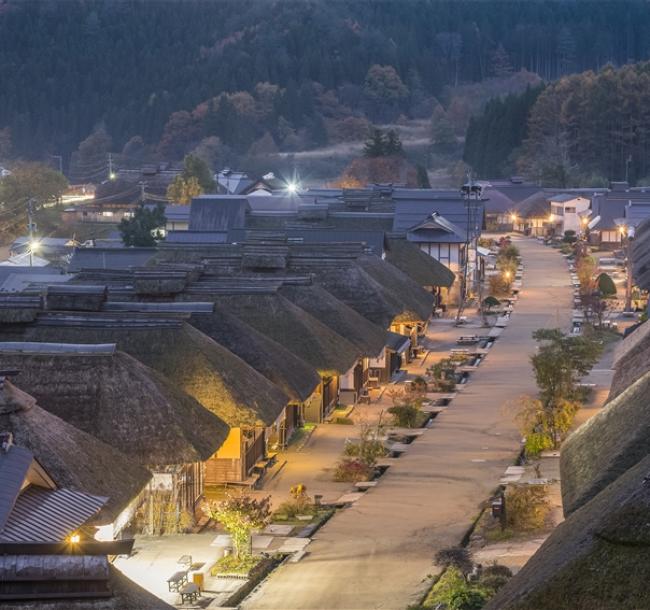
(241, 566)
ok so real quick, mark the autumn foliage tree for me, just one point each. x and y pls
(240, 515)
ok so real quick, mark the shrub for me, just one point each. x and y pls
(367, 450)
(344, 421)
(468, 599)
(456, 557)
(352, 470)
(527, 507)
(406, 415)
(300, 503)
(606, 285)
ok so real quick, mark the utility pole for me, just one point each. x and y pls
(111, 175)
(629, 236)
(142, 193)
(467, 190)
(30, 226)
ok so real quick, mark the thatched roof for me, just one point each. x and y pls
(344, 320)
(120, 401)
(73, 458)
(631, 359)
(292, 327)
(194, 363)
(607, 445)
(598, 559)
(293, 376)
(127, 595)
(419, 266)
(416, 304)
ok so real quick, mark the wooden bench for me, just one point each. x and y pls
(189, 593)
(177, 580)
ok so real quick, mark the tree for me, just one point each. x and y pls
(143, 228)
(560, 362)
(375, 145)
(393, 145)
(384, 84)
(240, 515)
(182, 191)
(195, 167)
(422, 177)
(606, 285)
(94, 149)
(443, 138)
(32, 180)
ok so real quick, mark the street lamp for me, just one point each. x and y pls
(292, 187)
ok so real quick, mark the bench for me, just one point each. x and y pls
(177, 580)
(189, 593)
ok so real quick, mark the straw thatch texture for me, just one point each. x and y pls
(292, 327)
(607, 445)
(344, 320)
(419, 266)
(122, 402)
(127, 595)
(598, 559)
(416, 304)
(631, 359)
(194, 363)
(292, 375)
(73, 458)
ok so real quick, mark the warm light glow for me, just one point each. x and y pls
(513, 217)
(34, 245)
(585, 220)
(112, 175)
(622, 229)
(75, 538)
(506, 274)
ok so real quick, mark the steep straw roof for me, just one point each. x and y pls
(416, 304)
(293, 376)
(120, 401)
(194, 363)
(73, 458)
(292, 327)
(631, 359)
(607, 445)
(344, 320)
(420, 267)
(598, 559)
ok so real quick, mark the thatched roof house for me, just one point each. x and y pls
(631, 359)
(318, 302)
(297, 379)
(419, 266)
(416, 303)
(192, 362)
(117, 399)
(295, 329)
(73, 458)
(606, 446)
(598, 559)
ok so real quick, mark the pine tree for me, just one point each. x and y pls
(375, 145)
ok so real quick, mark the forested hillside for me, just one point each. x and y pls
(295, 70)
(583, 129)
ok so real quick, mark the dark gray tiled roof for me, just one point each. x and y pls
(14, 466)
(110, 258)
(217, 212)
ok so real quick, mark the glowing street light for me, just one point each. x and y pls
(513, 217)
(75, 538)
(292, 187)
(507, 274)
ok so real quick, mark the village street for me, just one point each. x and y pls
(378, 553)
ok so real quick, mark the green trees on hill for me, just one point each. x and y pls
(494, 137)
(135, 68)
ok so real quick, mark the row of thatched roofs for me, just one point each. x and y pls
(599, 557)
(149, 367)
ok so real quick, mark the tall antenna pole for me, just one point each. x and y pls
(30, 226)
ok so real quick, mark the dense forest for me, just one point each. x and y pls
(583, 129)
(235, 74)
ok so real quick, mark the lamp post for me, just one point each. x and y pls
(467, 190)
(627, 235)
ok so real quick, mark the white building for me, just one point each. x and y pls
(566, 209)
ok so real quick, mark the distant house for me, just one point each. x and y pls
(566, 210)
